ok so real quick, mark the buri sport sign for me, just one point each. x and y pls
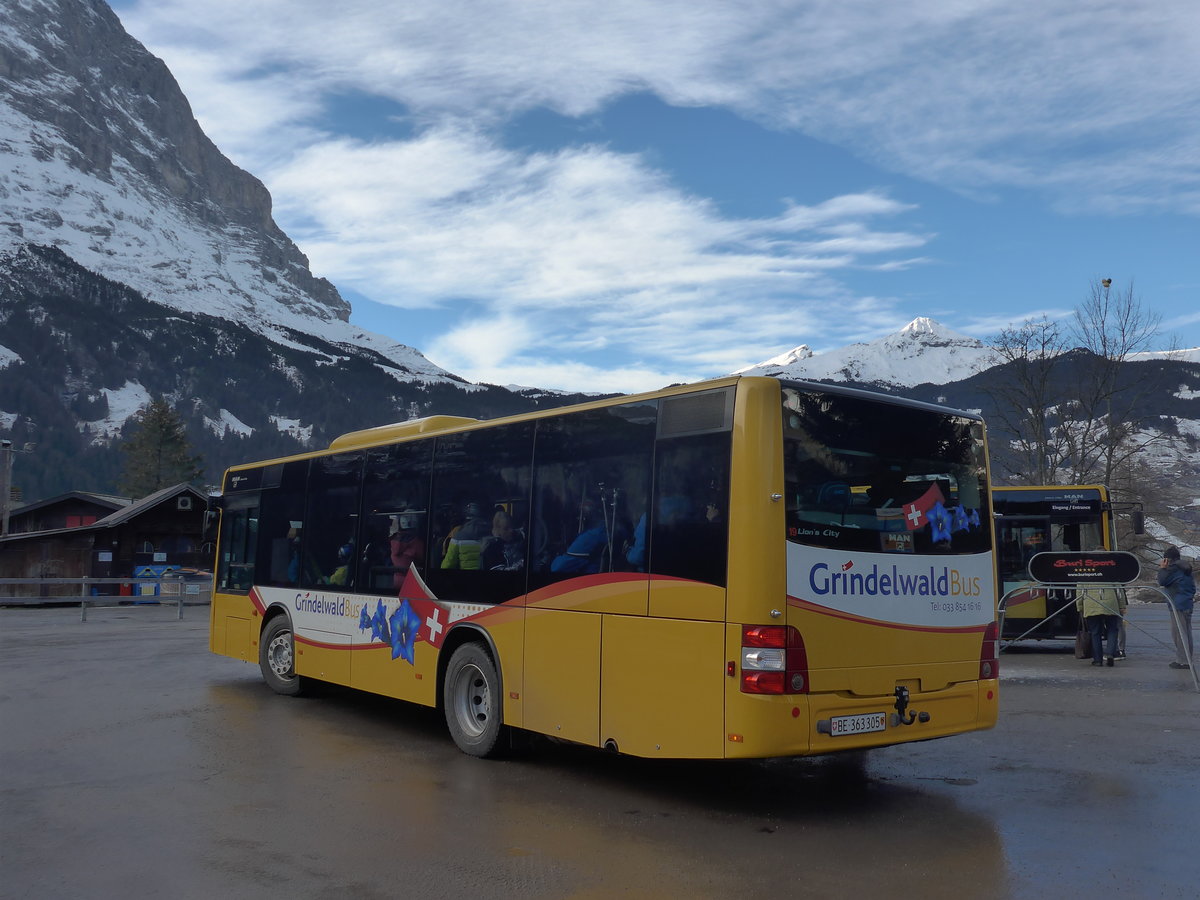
(1098, 567)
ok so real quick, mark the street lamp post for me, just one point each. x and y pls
(6, 462)
(6, 452)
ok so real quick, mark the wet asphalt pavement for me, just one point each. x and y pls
(133, 763)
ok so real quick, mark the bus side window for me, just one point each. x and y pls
(591, 488)
(689, 530)
(394, 519)
(330, 542)
(281, 524)
(478, 474)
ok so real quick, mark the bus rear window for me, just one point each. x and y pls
(886, 478)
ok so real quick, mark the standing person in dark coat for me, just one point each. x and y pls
(1175, 574)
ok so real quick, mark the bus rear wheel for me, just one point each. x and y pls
(471, 697)
(277, 657)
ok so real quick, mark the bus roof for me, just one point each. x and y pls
(880, 397)
(438, 424)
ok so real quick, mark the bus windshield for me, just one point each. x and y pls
(1038, 519)
(864, 475)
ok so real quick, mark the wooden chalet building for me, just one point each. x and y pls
(78, 535)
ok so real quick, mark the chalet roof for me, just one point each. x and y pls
(133, 510)
(136, 509)
(110, 500)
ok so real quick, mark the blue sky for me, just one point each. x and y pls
(617, 195)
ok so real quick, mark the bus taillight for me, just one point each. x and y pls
(989, 664)
(773, 660)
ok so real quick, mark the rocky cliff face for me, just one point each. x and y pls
(136, 260)
(100, 155)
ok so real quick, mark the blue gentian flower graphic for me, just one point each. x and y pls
(379, 624)
(939, 523)
(960, 519)
(973, 517)
(405, 624)
(364, 618)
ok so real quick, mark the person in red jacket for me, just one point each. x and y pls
(405, 544)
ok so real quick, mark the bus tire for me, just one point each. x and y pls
(277, 657)
(472, 702)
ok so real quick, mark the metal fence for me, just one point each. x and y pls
(106, 592)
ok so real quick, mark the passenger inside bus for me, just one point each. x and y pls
(466, 541)
(293, 544)
(345, 558)
(405, 544)
(586, 552)
(504, 549)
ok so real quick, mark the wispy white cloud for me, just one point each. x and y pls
(1076, 99)
(540, 248)
(586, 249)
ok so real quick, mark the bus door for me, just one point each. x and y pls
(1026, 604)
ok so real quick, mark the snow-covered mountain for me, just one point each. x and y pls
(922, 352)
(101, 157)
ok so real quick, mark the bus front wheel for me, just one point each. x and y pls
(471, 696)
(277, 657)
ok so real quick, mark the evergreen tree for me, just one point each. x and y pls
(157, 453)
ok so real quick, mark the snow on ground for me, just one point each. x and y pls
(302, 433)
(1160, 450)
(7, 357)
(230, 421)
(1162, 533)
(8, 420)
(123, 404)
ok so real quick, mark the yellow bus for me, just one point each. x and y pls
(1045, 518)
(737, 568)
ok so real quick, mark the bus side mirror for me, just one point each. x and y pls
(1138, 520)
(212, 518)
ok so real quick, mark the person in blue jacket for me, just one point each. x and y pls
(1175, 575)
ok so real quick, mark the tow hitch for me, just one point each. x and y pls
(901, 716)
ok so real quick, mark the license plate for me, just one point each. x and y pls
(860, 724)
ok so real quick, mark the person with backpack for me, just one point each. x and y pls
(1103, 611)
(1175, 575)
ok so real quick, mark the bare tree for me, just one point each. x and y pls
(1100, 430)
(1028, 396)
(1067, 397)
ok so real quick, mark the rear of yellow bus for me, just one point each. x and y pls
(862, 599)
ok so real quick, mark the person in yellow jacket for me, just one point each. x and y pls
(466, 541)
(1103, 609)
